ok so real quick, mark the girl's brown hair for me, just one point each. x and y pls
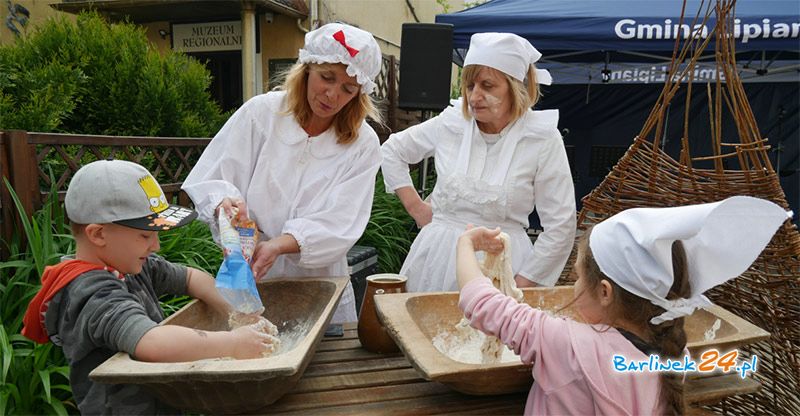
(523, 95)
(668, 337)
(346, 122)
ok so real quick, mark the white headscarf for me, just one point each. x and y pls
(336, 43)
(721, 240)
(505, 52)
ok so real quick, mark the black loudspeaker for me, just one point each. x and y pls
(426, 53)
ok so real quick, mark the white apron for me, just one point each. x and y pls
(457, 200)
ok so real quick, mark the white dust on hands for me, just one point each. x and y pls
(469, 345)
(259, 323)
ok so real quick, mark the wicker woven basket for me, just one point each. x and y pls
(768, 294)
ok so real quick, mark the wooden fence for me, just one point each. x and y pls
(36, 163)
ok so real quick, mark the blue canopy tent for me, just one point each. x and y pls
(609, 59)
(624, 25)
(614, 31)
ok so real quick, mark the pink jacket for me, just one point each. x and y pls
(572, 362)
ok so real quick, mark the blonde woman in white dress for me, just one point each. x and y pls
(301, 162)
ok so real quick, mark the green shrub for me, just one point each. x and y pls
(38, 98)
(92, 77)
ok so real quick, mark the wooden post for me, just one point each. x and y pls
(248, 50)
(6, 203)
(183, 199)
(24, 174)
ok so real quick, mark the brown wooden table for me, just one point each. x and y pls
(345, 379)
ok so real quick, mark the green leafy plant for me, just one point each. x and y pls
(32, 381)
(190, 245)
(93, 77)
(35, 377)
(390, 229)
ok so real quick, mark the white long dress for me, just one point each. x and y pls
(489, 184)
(318, 191)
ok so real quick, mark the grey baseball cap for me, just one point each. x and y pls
(122, 192)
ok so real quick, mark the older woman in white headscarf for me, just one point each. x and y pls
(496, 159)
(301, 162)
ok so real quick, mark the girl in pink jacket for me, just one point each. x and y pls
(638, 274)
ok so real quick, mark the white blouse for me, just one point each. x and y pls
(538, 175)
(312, 188)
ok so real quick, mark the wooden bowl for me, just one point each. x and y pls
(301, 308)
(415, 319)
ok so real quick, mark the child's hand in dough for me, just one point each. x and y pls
(483, 239)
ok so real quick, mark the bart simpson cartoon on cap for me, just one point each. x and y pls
(158, 202)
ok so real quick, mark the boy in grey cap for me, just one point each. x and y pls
(106, 299)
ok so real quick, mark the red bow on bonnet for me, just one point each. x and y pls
(339, 36)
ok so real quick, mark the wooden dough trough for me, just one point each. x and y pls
(301, 308)
(414, 319)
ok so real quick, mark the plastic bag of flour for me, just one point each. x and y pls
(235, 278)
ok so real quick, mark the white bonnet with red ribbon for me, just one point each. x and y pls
(336, 43)
(721, 240)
